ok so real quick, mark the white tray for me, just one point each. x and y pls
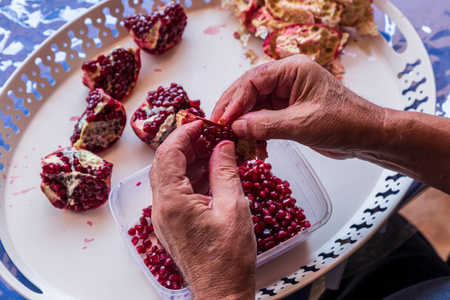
(55, 254)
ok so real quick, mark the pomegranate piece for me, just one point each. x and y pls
(275, 215)
(321, 43)
(359, 14)
(155, 119)
(116, 73)
(327, 12)
(76, 179)
(159, 31)
(155, 257)
(101, 125)
(214, 133)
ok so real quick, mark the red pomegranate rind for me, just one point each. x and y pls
(159, 31)
(263, 23)
(275, 215)
(245, 11)
(155, 119)
(214, 133)
(321, 43)
(154, 256)
(359, 14)
(76, 179)
(116, 73)
(102, 123)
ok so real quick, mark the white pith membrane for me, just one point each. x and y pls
(103, 132)
(152, 36)
(166, 127)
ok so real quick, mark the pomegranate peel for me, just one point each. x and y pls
(158, 31)
(116, 73)
(76, 179)
(214, 133)
(359, 14)
(101, 124)
(321, 43)
(155, 119)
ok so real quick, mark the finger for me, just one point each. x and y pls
(269, 124)
(169, 166)
(275, 78)
(223, 102)
(224, 179)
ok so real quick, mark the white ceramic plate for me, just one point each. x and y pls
(54, 254)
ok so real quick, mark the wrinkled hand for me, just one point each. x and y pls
(296, 99)
(211, 241)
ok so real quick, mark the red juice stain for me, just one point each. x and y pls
(138, 184)
(84, 247)
(89, 223)
(88, 240)
(74, 118)
(24, 191)
(12, 179)
(213, 30)
(158, 70)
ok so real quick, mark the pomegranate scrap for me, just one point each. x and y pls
(154, 255)
(116, 73)
(321, 43)
(275, 215)
(359, 14)
(76, 179)
(159, 31)
(101, 125)
(155, 119)
(214, 133)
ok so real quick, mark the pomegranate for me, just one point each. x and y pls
(213, 133)
(101, 125)
(159, 31)
(155, 119)
(321, 43)
(116, 73)
(275, 215)
(75, 179)
(155, 257)
(359, 14)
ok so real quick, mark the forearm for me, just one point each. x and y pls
(414, 144)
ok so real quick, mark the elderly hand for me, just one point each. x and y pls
(212, 241)
(297, 99)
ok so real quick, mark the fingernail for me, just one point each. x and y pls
(227, 148)
(240, 127)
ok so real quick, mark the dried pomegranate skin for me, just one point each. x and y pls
(155, 257)
(76, 179)
(321, 43)
(101, 124)
(159, 31)
(155, 119)
(116, 73)
(275, 215)
(214, 133)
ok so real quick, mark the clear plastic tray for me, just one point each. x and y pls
(132, 194)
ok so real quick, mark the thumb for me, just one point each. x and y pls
(266, 125)
(224, 178)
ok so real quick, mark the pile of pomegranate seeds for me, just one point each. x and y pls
(275, 214)
(155, 119)
(159, 31)
(101, 125)
(76, 179)
(215, 134)
(116, 73)
(154, 256)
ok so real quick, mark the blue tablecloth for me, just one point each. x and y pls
(25, 24)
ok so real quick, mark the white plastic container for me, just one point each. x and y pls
(132, 194)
